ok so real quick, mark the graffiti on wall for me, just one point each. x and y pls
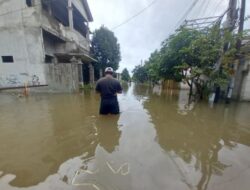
(12, 80)
(21, 79)
(35, 80)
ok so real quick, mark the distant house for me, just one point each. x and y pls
(118, 76)
(45, 43)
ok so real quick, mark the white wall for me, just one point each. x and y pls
(20, 37)
(27, 53)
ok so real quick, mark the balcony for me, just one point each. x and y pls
(56, 17)
(59, 11)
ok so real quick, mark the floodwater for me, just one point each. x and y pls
(159, 142)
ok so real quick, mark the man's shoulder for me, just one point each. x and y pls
(114, 79)
(101, 79)
(107, 79)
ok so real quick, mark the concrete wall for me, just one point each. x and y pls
(63, 77)
(20, 37)
(245, 90)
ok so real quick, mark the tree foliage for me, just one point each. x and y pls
(105, 48)
(140, 74)
(191, 56)
(152, 66)
(125, 75)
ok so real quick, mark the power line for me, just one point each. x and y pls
(186, 13)
(216, 7)
(201, 6)
(206, 8)
(134, 16)
(204, 23)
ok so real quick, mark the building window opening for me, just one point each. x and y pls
(59, 9)
(48, 59)
(79, 22)
(7, 59)
(29, 3)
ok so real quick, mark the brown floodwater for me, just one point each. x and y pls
(158, 142)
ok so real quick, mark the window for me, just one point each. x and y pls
(59, 10)
(48, 59)
(29, 3)
(7, 59)
(79, 22)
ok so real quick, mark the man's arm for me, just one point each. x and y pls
(97, 88)
(119, 88)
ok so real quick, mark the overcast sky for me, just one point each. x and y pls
(143, 34)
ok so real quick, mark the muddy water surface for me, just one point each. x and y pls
(158, 142)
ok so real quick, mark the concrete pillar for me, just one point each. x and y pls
(78, 82)
(101, 74)
(70, 12)
(55, 60)
(91, 74)
(50, 9)
(80, 73)
(88, 32)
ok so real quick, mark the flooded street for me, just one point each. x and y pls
(159, 142)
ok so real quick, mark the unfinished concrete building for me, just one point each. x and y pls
(45, 43)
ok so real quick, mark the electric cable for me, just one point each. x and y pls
(204, 8)
(186, 13)
(216, 7)
(136, 15)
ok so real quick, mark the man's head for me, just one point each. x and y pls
(109, 71)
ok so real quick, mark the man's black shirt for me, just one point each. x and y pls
(108, 87)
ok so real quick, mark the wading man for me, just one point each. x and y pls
(108, 87)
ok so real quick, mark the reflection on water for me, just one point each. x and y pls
(159, 141)
(196, 133)
(108, 132)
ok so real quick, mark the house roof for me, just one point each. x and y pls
(89, 14)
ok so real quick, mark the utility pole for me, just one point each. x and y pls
(241, 63)
(229, 26)
(242, 20)
(232, 17)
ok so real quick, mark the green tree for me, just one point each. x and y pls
(152, 66)
(192, 55)
(125, 75)
(140, 74)
(106, 49)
